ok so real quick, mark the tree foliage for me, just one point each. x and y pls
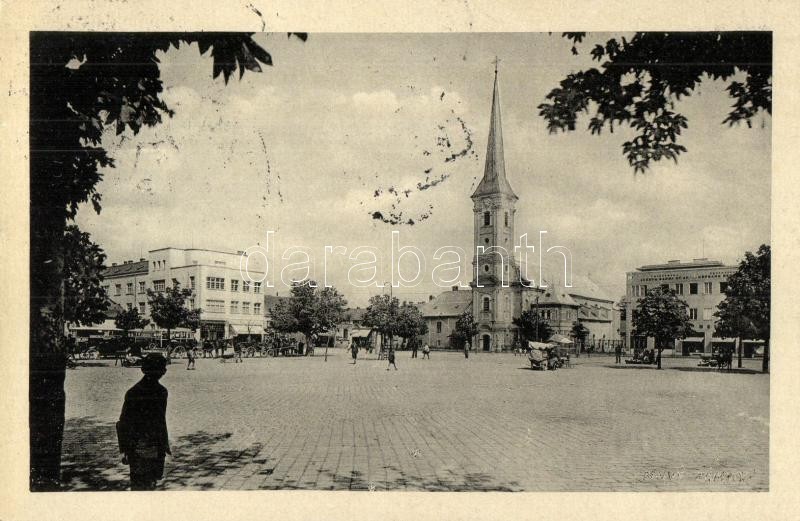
(382, 315)
(168, 309)
(410, 322)
(466, 328)
(639, 81)
(130, 319)
(81, 83)
(745, 312)
(310, 310)
(85, 300)
(663, 315)
(532, 326)
(579, 332)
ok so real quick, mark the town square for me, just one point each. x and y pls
(471, 262)
(487, 423)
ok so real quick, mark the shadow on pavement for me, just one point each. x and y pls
(91, 460)
(715, 370)
(631, 366)
(471, 482)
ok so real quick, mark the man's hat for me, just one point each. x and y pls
(154, 363)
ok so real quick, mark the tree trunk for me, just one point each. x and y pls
(765, 359)
(47, 366)
(658, 358)
(739, 363)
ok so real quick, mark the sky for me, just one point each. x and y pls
(347, 125)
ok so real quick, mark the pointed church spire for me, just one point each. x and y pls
(494, 174)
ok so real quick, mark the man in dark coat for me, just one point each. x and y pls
(142, 426)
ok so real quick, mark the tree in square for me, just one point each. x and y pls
(663, 315)
(168, 310)
(745, 312)
(382, 315)
(465, 329)
(310, 310)
(533, 327)
(410, 323)
(129, 320)
(579, 333)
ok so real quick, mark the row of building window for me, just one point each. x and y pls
(218, 306)
(141, 308)
(218, 283)
(708, 313)
(694, 288)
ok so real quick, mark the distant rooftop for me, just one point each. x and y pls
(448, 304)
(681, 265)
(126, 268)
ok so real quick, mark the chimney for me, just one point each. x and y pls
(141, 259)
(701, 259)
(455, 288)
(673, 261)
(113, 263)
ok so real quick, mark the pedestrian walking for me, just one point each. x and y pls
(618, 354)
(390, 356)
(191, 354)
(414, 348)
(466, 350)
(142, 426)
(426, 352)
(237, 351)
(354, 351)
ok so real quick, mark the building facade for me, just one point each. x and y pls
(497, 294)
(701, 283)
(231, 300)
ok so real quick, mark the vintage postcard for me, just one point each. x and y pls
(372, 262)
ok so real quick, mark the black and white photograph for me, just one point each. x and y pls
(383, 262)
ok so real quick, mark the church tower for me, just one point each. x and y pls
(494, 201)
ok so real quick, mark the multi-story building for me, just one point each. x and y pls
(232, 301)
(701, 283)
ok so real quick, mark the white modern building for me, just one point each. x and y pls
(231, 300)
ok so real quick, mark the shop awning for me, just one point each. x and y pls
(241, 329)
(561, 339)
(360, 333)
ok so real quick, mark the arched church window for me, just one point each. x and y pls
(486, 268)
(487, 218)
(486, 303)
(506, 218)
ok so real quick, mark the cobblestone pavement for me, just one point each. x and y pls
(487, 423)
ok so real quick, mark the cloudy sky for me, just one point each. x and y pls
(344, 126)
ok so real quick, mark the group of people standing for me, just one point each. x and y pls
(390, 354)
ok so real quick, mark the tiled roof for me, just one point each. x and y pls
(583, 286)
(448, 304)
(556, 295)
(123, 270)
